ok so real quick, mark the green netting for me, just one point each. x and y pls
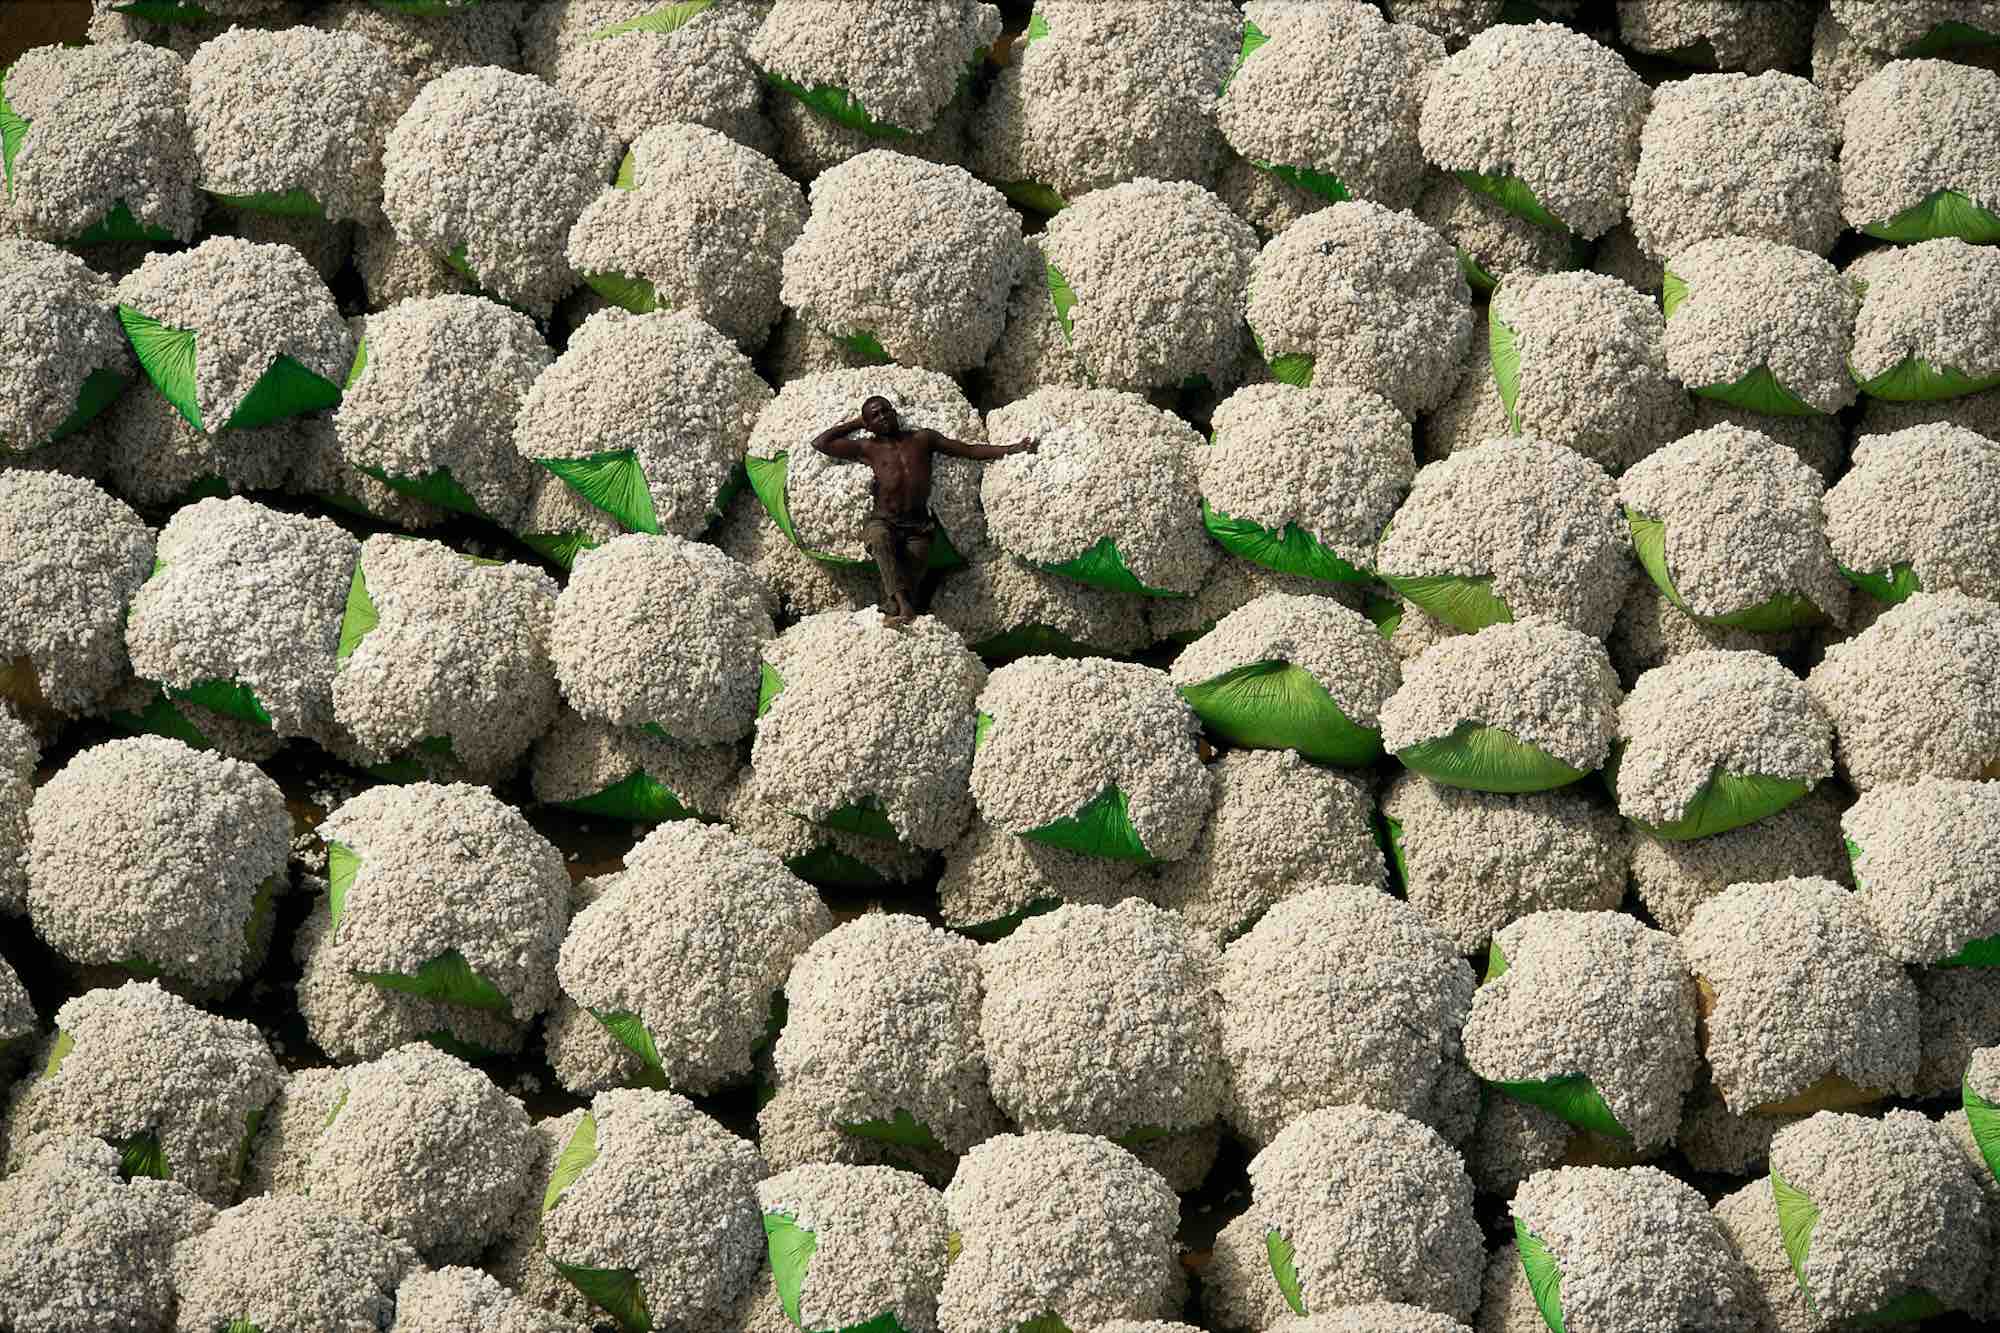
(901, 1129)
(1944, 213)
(1984, 1117)
(287, 389)
(168, 358)
(1330, 188)
(1103, 566)
(1101, 827)
(1031, 640)
(142, 1157)
(1511, 194)
(1726, 801)
(791, 1248)
(630, 1030)
(1951, 33)
(1465, 603)
(625, 291)
(639, 797)
(13, 131)
(1573, 1098)
(614, 482)
(1783, 612)
(1000, 927)
(1290, 551)
(1976, 953)
(280, 203)
(1063, 297)
(1285, 1269)
(1759, 391)
(1484, 758)
(1275, 705)
(560, 548)
(165, 11)
(1915, 380)
(1898, 585)
(1544, 1278)
(1253, 37)
(226, 697)
(616, 1291)
(839, 106)
(1797, 1216)
(119, 227)
(863, 818)
(1033, 196)
(161, 718)
(448, 979)
(1504, 351)
(359, 618)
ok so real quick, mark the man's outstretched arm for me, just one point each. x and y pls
(834, 442)
(944, 444)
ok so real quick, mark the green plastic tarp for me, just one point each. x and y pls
(1944, 213)
(286, 389)
(1103, 566)
(639, 797)
(1798, 1217)
(447, 978)
(1479, 757)
(1291, 550)
(1275, 705)
(1726, 801)
(1783, 612)
(1463, 602)
(1101, 826)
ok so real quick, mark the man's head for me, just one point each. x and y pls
(878, 414)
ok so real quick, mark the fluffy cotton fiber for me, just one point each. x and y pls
(431, 406)
(1108, 498)
(150, 855)
(1342, 995)
(294, 120)
(1542, 117)
(1737, 155)
(64, 356)
(289, 1263)
(1580, 360)
(1919, 510)
(1761, 325)
(919, 257)
(681, 954)
(474, 126)
(72, 559)
(1524, 521)
(1926, 328)
(1358, 295)
(871, 723)
(1918, 159)
(1674, 877)
(889, 66)
(120, 1068)
(1594, 995)
(1924, 857)
(703, 226)
(1091, 733)
(631, 77)
(1472, 862)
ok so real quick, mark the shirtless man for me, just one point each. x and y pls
(899, 531)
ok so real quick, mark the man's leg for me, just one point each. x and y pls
(917, 563)
(879, 536)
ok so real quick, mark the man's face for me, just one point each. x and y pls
(878, 416)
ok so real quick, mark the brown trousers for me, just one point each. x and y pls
(902, 551)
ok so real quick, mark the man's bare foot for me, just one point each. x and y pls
(898, 620)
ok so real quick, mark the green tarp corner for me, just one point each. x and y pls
(1984, 1117)
(639, 798)
(1513, 195)
(1573, 1098)
(1102, 827)
(1487, 758)
(1290, 551)
(625, 291)
(448, 979)
(1275, 705)
(167, 356)
(613, 481)
(1783, 612)
(1544, 1278)
(1944, 213)
(791, 1249)
(1284, 1268)
(1463, 603)
(901, 1129)
(1103, 566)
(839, 106)
(1915, 380)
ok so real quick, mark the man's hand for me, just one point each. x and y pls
(1026, 446)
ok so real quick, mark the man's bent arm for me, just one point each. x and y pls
(834, 442)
